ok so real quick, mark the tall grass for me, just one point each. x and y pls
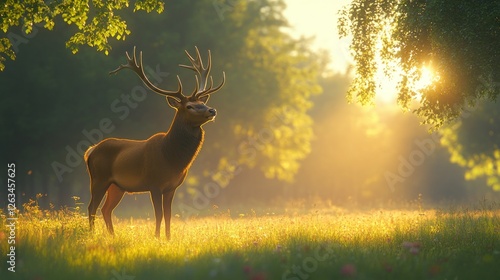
(461, 243)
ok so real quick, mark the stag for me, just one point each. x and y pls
(159, 164)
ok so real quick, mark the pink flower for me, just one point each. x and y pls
(247, 269)
(348, 270)
(259, 276)
(414, 250)
(413, 247)
(407, 244)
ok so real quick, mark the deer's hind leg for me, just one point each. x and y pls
(115, 195)
(97, 192)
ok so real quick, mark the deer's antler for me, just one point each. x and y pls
(139, 70)
(201, 89)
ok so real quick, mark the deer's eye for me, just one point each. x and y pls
(189, 107)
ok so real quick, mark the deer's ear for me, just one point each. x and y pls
(204, 99)
(173, 102)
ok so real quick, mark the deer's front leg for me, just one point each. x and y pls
(157, 205)
(167, 211)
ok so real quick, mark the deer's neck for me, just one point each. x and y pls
(182, 144)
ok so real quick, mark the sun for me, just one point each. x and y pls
(427, 78)
(387, 82)
(327, 38)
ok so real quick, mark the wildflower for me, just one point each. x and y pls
(348, 270)
(278, 249)
(414, 250)
(413, 247)
(247, 269)
(407, 244)
(434, 270)
(259, 276)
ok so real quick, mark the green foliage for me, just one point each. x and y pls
(270, 81)
(457, 39)
(366, 20)
(149, 6)
(473, 143)
(96, 21)
(262, 121)
(276, 77)
(5, 48)
(320, 244)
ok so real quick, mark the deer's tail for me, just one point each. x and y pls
(88, 152)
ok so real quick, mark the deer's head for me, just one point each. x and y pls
(192, 109)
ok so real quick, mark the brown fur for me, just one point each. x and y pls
(157, 165)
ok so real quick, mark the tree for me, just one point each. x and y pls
(263, 121)
(271, 78)
(473, 143)
(96, 21)
(458, 40)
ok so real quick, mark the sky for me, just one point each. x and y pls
(319, 18)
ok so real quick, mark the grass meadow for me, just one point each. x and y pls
(298, 243)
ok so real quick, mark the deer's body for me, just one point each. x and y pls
(157, 165)
(162, 160)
